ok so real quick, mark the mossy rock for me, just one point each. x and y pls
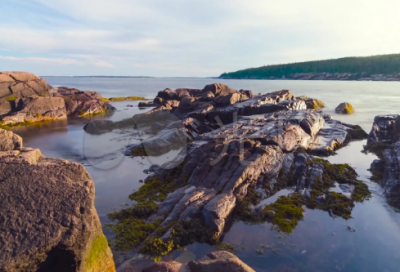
(344, 108)
(99, 258)
(312, 103)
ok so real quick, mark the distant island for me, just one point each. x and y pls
(373, 68)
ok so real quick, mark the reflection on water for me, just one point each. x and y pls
(115, 175)
(319, 243)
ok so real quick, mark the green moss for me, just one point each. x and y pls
(131, 228)
(154, 190)
(285, 212)
(130, 232)
(157, 248)
(128, 98)
(243, 210)
(98, 248)
(139, 151)
(11, 98)
(187, 232)
(226, 247)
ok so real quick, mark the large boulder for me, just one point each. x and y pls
(47, 214)
(21, 84)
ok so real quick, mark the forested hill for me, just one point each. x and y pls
(358, 67)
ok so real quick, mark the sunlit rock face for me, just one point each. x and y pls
(48, 219)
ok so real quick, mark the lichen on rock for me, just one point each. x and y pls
(344, 108)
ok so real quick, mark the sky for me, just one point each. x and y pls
(167, 38)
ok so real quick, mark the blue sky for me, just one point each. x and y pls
(187, 37)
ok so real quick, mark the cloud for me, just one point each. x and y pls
(100, 63)
(193, 38)
(58, 61)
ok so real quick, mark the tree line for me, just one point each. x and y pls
(382, 64)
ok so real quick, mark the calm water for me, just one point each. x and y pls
(319, 243)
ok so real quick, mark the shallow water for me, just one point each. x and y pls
(319, 243)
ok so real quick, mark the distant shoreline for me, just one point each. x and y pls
(327, 76)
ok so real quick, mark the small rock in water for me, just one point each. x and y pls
(351, 229)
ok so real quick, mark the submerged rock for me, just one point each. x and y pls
(48, 218)
(344, 108)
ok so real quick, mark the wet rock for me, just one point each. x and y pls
(386, 129)
(344, 108)
(217, 210)
(145, 104)
(48, 216)
(99, 127)
(384, 141)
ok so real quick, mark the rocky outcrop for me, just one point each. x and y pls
(236, 155)
(48, 219)
(36, 109)
(384, 141)
(344, 108)
(21, 84)
(219, 261)
(26, 98)
(82, 103)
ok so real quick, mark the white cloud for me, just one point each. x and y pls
(101, 63)
(58, 61)
(188, 34)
